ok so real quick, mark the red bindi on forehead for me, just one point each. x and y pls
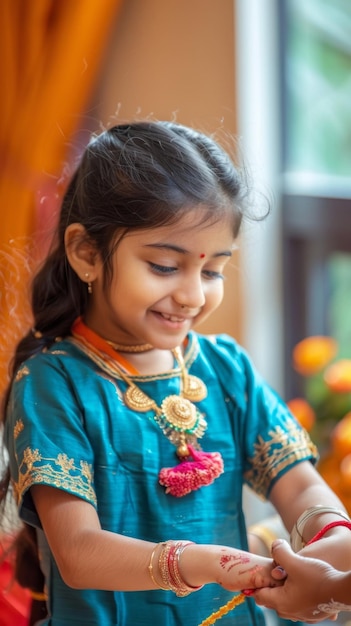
(202, 255)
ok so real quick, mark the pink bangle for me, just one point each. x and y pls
(327, 527)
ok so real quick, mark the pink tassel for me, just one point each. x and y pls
(191, 475)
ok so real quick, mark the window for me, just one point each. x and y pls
(316, 155)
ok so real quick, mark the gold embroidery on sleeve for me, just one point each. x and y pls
(58, 352)
(23, 371)
(60, 472)
(18, 427)
(273, 455)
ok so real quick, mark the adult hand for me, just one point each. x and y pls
(307, 592)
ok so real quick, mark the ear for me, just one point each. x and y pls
(81, 253)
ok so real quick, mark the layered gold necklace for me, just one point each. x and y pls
(178, 417)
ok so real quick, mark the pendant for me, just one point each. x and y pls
(180, 415)
(137, 400)
(194, 388)
(182, 447)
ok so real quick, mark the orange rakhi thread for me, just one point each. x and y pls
(224, 609)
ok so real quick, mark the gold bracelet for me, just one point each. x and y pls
(150, 568)
(163, 564)
(266, 535)
(38, 596)
(168, 564)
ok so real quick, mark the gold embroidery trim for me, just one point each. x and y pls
(277, 453)
(23, 371)
(60, 472)
(18, 427)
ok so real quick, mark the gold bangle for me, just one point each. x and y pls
(168, 564)
(39, 597)
(263, 533)
(163, 564)
(150, 568)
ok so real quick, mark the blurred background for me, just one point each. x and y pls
(274, 73)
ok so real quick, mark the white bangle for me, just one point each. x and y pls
(297, 541)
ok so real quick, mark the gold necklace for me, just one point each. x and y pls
(145, 347)
(177, 416)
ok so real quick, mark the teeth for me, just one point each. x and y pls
(172, 318)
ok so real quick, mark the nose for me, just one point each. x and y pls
(190, 292)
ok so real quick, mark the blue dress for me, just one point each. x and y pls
(68, 427)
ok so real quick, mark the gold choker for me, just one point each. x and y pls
(145, 347)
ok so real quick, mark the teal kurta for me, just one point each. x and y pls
(69, 428)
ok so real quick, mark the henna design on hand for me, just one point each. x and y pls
(228, 561)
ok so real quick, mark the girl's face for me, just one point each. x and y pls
(165, 281)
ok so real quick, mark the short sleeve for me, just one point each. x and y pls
(45, 434)
(275, 440)
(271, 440)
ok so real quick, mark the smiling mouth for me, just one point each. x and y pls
(172, 318)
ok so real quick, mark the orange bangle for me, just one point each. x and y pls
(38, 596)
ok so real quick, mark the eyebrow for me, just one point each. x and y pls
(174, 248)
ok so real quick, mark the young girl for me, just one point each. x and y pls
(130, 435)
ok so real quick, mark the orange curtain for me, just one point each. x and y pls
(50, 54)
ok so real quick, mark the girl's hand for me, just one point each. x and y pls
(307, 592)
(235, 570)
(245, 571)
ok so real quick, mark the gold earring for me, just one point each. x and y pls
(90, 287)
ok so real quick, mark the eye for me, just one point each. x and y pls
(211, 275)
(162, 269)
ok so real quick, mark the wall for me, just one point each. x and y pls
(175, 60)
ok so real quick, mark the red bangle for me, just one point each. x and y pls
(327, 527)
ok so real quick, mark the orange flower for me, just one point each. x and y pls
(338, 476)
(345, 474)
(338, 376)
(312, 354)
(303, 412)
(329, 469)
(341, 437)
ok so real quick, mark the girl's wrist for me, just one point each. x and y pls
(167, 569)
(198, 564)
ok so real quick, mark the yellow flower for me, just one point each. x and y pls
(312, 354)
(338, 376)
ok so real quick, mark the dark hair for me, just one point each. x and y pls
(132, 176)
